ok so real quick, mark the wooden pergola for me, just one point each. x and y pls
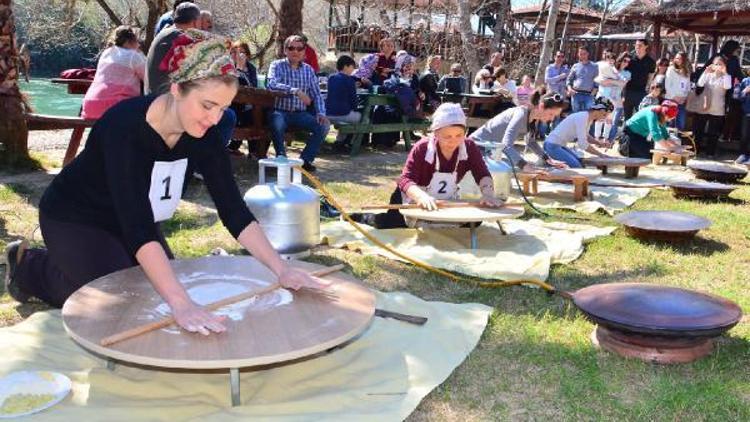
(716, 18)
(581, 19)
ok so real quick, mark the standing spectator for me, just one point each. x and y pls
(341, 101)
(428, 83)
(661, 71)
(710, 105)
(523, 93)
(119, 73)
(677, 86)
(730, 51)
(386, 61)
(556, 74)
(206, 22)
(311, 56)
(654, 96)
(612, 79)
(581, 85)
(168, 17)
(186, 16)
(298, 81)
(743, 95)
(641, 69)
(496, 62)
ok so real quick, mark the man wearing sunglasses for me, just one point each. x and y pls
(556, 74)
(298, 81)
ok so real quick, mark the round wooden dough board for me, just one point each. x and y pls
(463, 214)
(261, 332)
(616, 161)
(564, 174)
(663, 221)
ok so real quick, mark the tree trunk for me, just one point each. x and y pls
(110, 13)
(539, 19)
(565, 27)
(13, 130)
(155, 9)
(290, 22)
(549, 41)
(501, 19)
(467, 37)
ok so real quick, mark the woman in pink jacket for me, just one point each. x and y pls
(118, 75)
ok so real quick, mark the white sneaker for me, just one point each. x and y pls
(742, 159)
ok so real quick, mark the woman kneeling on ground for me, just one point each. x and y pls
(575, 127)
(101, 214)
(434, 167)
(647, 130)
(516, 122)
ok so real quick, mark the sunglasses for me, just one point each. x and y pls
(293, 48)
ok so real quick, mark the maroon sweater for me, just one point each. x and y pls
(418, 171)
(385, 63)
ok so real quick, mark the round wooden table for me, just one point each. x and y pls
(718, 172)
(632, 165)
(472, 216)
(276, 327)
(662, 225)
(700, 189)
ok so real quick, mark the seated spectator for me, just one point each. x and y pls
(206, 21)
(428, 84)
(298, 81)
(247, 75)
(167, 18)
(311, 56)
(653, 97)
(386, 61)
(366, 69)
(119, 74)
(523, 93)
(341, 101)
(405, 85)
(496, 62)
(483, 82)
(454, 83)
(507, 90)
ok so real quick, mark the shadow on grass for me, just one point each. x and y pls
(697, 246)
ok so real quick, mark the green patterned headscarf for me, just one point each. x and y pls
(195, 55)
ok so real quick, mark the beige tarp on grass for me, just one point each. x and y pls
(526, 253)
(381, 376)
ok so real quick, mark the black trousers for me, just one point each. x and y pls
(631, 101)
(638, 146)
(745, 139)
(76, 254)
(706, 130)
(392, 219)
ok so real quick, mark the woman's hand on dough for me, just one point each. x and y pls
(491, 202)
(295, 279)
(195, 319)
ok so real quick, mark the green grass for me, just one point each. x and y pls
(535, 360)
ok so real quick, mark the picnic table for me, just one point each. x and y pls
(365, 125)
(258, 131)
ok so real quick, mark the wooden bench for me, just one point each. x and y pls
(662, 157)
(530, 184)
(365, 126)
(48, 122)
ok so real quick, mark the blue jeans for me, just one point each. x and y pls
(564, 154)
(679, 121)
(619, 112)
(582, 102)
(226, 125)
(279, 121)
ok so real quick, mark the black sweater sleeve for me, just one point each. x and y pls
(213, 163)
(128, 181)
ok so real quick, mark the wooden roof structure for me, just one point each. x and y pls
(714, 17)
(581, 18)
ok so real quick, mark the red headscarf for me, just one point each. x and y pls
(667, 108)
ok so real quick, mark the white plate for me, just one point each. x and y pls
(33, 382)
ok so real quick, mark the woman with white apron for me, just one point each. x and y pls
(102, 212)
(434, 167)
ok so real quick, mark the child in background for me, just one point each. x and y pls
(653, 97)
(524, 92)
(341, 101)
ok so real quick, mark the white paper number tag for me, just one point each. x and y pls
(167, 179)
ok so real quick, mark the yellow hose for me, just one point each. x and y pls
(327, 195)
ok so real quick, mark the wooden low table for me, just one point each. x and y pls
(662, 225)
(578, 177)
(260, 331)
(472, 215)
(660, 156)
(632, 165)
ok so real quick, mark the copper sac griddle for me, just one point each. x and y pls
(656, 323)
(662, 225)
(701, 190)
(718, 172)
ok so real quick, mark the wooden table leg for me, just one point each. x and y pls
(356, 144)
(110, 364)
(580, 188)
(502, 230)
(631, 172)
(234, 386)
(534, 186)
(603, 169)
(656, 159)
(474, 237)
(75, 142)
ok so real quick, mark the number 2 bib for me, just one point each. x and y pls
(167, 178)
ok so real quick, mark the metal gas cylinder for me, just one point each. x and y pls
(287, 210)
(501, 172)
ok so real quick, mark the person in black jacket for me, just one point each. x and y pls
(102, 212)
(428, 84)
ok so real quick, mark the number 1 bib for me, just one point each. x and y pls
(167, 178)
